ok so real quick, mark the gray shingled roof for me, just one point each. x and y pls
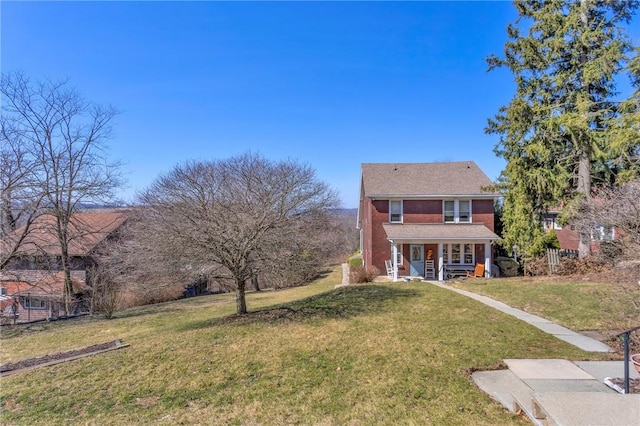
(423, 179)
(438, 231)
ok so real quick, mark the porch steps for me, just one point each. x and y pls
(559, 392)
(506, 388)
(587, 408)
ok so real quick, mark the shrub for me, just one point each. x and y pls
(539, 266)
(550, 240)
(590, 264)
(359, 274)
(610, 251)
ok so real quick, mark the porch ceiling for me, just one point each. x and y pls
(438, 231)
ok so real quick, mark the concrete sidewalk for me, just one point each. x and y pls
(558, 391)
(561, 392)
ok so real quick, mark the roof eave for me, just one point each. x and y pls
(431, 196)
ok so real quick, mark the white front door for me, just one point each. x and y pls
(417, 259)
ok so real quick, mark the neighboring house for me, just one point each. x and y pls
(413, 212)
(569, 238)
(39, 298)
(32, 283)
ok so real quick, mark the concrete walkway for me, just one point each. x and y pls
(558, 391)
(345, 274)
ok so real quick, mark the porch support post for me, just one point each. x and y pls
(441, 263)
(394, 260)
(487, 260)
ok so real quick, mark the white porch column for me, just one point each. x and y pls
(441, 263)
(394, 260)
(487, 259)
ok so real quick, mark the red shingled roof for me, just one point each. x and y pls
(50, 285)
(86, 230)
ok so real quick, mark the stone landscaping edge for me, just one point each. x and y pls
(59, 357)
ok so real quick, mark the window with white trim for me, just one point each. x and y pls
(464, 211)
(457, 211)
(455, 253)
(602, 233)
(449, 211)
(33, 303)
(458, 254)
(551, 222)
(395, 211)
(468, 253)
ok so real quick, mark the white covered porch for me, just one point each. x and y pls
(453, 249)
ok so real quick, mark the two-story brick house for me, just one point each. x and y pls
(413, 212)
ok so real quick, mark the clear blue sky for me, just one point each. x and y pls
(329, 84)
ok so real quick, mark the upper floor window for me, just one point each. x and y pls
(551, 222)
(395, 211)
(449, 211)
(464, 211)
(457, 211)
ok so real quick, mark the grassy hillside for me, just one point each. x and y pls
(577, 304)
(365, 354)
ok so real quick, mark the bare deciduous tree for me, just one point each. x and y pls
(237, 216)
(20, 198)
(614, 208)
(138, 266)
(65, 137)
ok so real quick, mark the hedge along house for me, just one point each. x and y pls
(411, 213)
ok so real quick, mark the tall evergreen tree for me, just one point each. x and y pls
(563, 132)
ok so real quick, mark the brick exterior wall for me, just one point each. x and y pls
(482, 212)
(376, 248)
(422, 211)
(380, 247)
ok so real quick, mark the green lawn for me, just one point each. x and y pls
(397, 353)
(578, 305)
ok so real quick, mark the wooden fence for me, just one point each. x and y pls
(554, 256)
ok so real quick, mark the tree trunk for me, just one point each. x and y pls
(63, 238)
(584, 161)
(68, 286)
(241, 301)
(584, 187)
(254, 283)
